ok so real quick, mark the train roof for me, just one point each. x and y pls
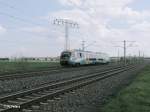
(79, 50)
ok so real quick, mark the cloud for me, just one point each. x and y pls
(2, 29)
(98, 21)
(108, 8)
(86, 3)
(71, 2)
(94, 18)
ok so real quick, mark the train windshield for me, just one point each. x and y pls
(65, 54)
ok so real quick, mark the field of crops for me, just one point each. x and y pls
(13, 67)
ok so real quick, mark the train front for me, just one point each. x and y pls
(65, 58)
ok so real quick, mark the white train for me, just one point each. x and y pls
(79, 57)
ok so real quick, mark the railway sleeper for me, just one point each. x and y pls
(29, 97)
(17, 102)
(35, 107)
(22, 99)
(58, 104)
(27, 110)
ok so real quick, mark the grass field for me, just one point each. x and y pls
(13, 67)
(134, 98)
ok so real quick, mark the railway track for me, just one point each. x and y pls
(29, 74)
(24, 100)
(23, 71)
(52, 70)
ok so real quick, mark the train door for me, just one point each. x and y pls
(80, 56)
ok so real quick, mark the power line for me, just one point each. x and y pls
(125, 48)
(9, 6)
(92, 43)
(18, 18)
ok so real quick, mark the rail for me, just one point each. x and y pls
(17, 102)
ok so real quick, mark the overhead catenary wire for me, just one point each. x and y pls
(67, 24)
(28, 21)
(18, 18)
(125, 47)
(9, 6)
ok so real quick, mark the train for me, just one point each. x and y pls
(79, 57)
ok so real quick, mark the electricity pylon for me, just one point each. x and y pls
(68, 24)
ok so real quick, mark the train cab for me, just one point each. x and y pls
(65, 58)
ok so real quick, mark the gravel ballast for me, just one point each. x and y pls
(19, 84)
(90, 98)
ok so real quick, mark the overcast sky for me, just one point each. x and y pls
(26, 26)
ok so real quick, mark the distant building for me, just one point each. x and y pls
(4, 59)
(36, 59)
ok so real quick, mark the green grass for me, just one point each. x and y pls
(134, 98)
(13, 67)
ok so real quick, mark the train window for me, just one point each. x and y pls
(100, 59)
(65, 54)
(92, 59)
(80, 55)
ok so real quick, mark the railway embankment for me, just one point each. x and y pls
(18, 82)
(134, 98)
(93, 97)
(85, 93)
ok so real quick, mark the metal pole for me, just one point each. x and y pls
(143, 56)
(139, 56)
(83, 45)
(124, 52)
(67, 24)
(118, 56)
(66, 37)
